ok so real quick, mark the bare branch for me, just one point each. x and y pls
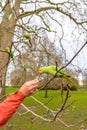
(48, 109)
(28, 110)
(56, 8)
(64, 103)
(4, 6)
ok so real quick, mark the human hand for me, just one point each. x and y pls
(29, 87)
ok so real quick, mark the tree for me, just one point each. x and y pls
(28, 62)
(7, 27)
(18, 17)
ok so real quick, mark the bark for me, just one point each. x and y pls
(7, 28)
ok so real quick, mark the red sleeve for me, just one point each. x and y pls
(9, 106)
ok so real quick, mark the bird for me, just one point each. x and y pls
(10, 52)
(28, 37)
(57, 73)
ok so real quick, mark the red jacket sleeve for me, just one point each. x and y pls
(9, 106)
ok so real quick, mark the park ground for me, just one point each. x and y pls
(74, 114)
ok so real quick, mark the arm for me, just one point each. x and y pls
(10, 105)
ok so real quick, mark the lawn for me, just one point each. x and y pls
(76, 111)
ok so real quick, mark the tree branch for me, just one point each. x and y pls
(65, 65)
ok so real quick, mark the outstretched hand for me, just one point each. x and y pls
(29, 87)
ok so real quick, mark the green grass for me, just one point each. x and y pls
(75, 113)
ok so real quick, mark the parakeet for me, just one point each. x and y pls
(28, 37)
(53, 70)
(8, 50)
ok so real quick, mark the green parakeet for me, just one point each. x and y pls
(8, 50)
(11, 54)
(52, 70)
(28, 37)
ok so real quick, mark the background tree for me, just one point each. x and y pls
(29, 61)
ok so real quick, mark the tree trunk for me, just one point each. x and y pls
(7, 27)
(46, 93)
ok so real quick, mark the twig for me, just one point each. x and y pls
(4, 7)
(74, 55)
(63, 105)
(1, 50)
(48, 109)
(80, 122)
(28, 110)
(70, 104)
(49, 100)
(63, 122)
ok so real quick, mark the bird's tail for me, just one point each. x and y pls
(71, 83)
